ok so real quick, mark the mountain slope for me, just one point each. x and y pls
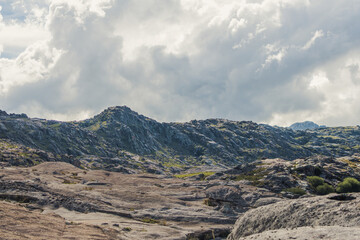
(118, 133)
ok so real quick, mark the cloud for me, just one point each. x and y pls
(317, 34)
(273, 61)
(21, 24)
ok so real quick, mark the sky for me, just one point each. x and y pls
(268, 61)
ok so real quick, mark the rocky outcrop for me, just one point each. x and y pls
(307, 125)
(304, 212)
(278, 175)
(14, 154)
(238, 198)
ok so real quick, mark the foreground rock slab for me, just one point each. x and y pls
(306, 233)
(328, 210)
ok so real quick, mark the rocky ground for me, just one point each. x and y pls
(131, 206)
(195, 205)
(17, 222)
(121, 175)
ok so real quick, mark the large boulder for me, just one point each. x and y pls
(312, 211)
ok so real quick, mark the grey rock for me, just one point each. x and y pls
(302, 212)
(307, 125)
(306, 233)
(226, 194)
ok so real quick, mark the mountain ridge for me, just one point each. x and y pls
(119, 133)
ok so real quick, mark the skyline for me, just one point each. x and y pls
(273, 61)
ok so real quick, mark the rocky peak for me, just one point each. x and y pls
(307, 125)
(3, 113)
(121, 114)
(22, 115)
(12, 115)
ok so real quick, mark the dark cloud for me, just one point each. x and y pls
(267, 61)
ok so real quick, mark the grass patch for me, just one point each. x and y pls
(253, 176)
(55, 125)
(210, 202)
(153, 221)
(96, 126)
(205, 175)
(349, 163)
(68, 182)
(295, 190)
(150, 220)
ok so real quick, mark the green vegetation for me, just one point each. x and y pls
(150, 220)
(253, 176)
(153, 221)
(315, 181)
(127, 229)
(324, 189)
(350, 163)
(96, 126)
(204, 175)
(348, 185)
(68, 182)
(210, 202)
(319, 186)
(331, 137)
(172, 164)
(55, 125)
(296, 191)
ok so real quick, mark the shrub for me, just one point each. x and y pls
(154, 221)
(319, 186)
(295, 190)
(315, 181)
(348, 185)
(324, 189)
(66, 181)
(253, 176)
(210, 202)
(150, 220)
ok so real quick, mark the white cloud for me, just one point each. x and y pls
(319, 81)
(317, 34)
(34, 64)
(21, 26)
(236, 24)
(272, 61)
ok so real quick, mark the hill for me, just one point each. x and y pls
(119, 139)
